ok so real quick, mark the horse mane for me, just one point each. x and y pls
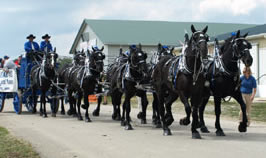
(227, 42)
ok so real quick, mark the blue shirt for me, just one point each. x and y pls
(28, 46)
(45, 45)
(247, 85)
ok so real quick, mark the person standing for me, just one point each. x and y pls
(46, 45)
(248, 89)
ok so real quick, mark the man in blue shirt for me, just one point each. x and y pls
(31, 46)
(45, 45)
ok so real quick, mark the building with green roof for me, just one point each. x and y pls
(115, 34)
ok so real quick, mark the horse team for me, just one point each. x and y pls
(192, 76)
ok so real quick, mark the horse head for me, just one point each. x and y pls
(96, 58)
(79, 58)
(199, 40)
(137, 58)
(164, 50)
(50, 59)
(241, 49)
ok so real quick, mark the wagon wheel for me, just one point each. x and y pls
(2, 101)
(17, 102)
(29, 103)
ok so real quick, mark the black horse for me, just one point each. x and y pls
(42, 77)
(223, 75)
(83, 80)
(124, 79)
(63, 76)
(182, 76)
(161, 52)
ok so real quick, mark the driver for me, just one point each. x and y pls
(46, 45)
(31, 46)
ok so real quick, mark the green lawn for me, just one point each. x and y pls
(11, 147)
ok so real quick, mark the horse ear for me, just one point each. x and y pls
(92, 48)
(159, 46)
(245, 35)
(54, 49)
(102, 48)
(140, 47)
(238, 34)
(120, 51)
(193, 28)
(172, 50)
(205, 29)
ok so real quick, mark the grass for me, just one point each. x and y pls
(11, 147)
(229, 109)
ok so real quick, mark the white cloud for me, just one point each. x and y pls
(63, 42)
(138, 9)
(234, 7)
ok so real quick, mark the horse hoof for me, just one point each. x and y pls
(87, 120)
(169, 120)
(140, 115)
(143, 121)
(242, 127)
(34, 111)
(44, 116)
(69, 112)
(196, 135)
(128, 127)
(83, 106)
(184, 122)
(118, 118)
(41, 114)
(96, 113)
(63, 112)
(80, 118)
(158, 125)
(220, 133)
(167, 132)
(53, 115)
(204, 129)
(113, 116)
(123, 123)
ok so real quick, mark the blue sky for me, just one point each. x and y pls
(62, 18)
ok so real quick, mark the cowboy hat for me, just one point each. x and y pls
(31, 36)
(46, 36)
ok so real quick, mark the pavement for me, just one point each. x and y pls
(66, 137)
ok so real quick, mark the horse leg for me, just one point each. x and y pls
(203, 127)
(78, 105)
(96, 112)
(169, 119)
(34, 101)
(186, 120)
(155, 112)
(87, 104)
(116, 101)
(127, 107)
(195, 100)
(242, 125)
(219, 130)
(54, 100)
(70, 98)
(144, 103)
(62, 106)
(43, 102)
(160, 95)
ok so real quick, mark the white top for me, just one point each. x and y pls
(9, 64)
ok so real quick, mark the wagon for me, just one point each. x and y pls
(16, 84)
